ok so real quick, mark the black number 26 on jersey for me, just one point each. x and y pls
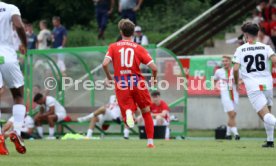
(259, 64)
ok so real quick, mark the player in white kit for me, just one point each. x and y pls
(109, 112)
(252, 59)
(229, 96)
(10, 72)
(51, 111)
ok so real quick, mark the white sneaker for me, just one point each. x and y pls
(50, 138)
(129, 119)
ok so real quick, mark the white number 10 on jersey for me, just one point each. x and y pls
(127, 57)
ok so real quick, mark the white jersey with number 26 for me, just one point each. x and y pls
(254, 66)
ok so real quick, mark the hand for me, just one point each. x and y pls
(108, 82)
(239, 86)
(136, 8)
(119, 9)
(110, 12)
(23, 49)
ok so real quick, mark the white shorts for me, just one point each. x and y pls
(60, 116)
(259, 99)
(165, 122)
(108, 116)
(11, 74)
(229, 105)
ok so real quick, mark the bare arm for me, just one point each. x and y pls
(19, 27)
(236, 73)
(273, 59)
(106, 69)
(153, 68)
(163, 114)
(50, 112)
(138, 6)
(64, 41)
(112, 4)
(120, 7)
(41, 110)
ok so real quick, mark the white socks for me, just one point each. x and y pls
(150, 141)
(126, 133)
(228, 131)
(40, 131)
(234, 130)
(269, 132)
(231, 130)
(167, 135)
(51, 131)
(18, 112)
(270, 119)
(89, 133)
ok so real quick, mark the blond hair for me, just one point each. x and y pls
(126, 27)
(227, 56)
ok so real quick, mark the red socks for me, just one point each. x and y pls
(149, 126)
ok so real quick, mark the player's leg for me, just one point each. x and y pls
(260, 101)
(126, 132)
(229, 108)
(13, 77)
(52, 119)
(99, 111)
(149, 126)
(99, 21)
(39, 119)
(264, 112)
(92, 126)
(18, 110)
(270, 133)
(269, 128)
(127, 106)
(270, 122)
(104, 21)
(159, 120)
(3, 148)
(232, 124)
(143, 100)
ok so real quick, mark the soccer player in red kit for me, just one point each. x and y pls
(130, 86)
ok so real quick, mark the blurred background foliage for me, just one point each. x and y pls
(158, 20)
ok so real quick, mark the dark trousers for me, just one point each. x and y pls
(102, 18)
(130, 14)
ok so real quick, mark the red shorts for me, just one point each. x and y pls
(130, 99)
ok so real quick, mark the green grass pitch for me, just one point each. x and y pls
(134, 152)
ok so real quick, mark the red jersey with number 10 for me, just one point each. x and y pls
(127, 57)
